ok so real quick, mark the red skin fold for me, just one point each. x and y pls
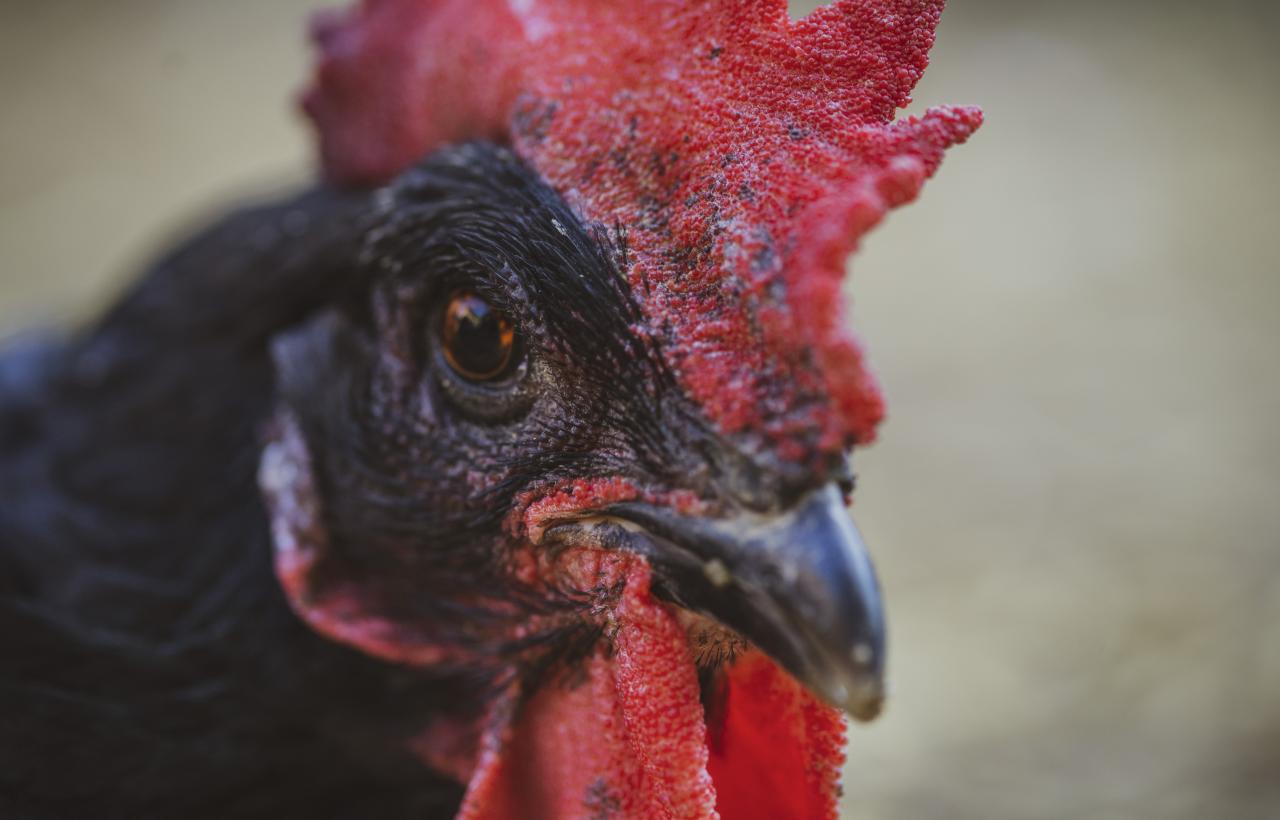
(740, 157)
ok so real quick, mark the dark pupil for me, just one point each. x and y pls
(478, 340)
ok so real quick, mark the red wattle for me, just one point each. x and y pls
(625, 736)
(778, 750)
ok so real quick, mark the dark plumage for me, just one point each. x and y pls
(151, 664)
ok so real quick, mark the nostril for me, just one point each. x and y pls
(760, 483)
(765, 483)
(792, 488)
(739, 479)
(752, 489)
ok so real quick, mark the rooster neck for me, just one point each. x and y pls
(143, 623)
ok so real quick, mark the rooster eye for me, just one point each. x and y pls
(478, 341)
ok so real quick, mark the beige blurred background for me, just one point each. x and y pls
(1075, 503)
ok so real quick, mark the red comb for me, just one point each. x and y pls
(741, 154)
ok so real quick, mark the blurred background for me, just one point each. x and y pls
(1075, 503)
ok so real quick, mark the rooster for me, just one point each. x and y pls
(503, 474)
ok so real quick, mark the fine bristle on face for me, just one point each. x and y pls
(736, 154)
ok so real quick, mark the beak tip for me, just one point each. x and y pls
(861, 694)
(865, 701)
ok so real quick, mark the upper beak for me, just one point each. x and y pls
(798, 584)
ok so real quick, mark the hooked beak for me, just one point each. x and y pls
(798, 584)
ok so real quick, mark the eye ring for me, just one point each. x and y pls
(479, 342)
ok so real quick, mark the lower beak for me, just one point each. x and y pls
(798, 584)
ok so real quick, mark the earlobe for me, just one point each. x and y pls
(325, 593)
(319, 366)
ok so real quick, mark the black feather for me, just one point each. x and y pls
(150, 666)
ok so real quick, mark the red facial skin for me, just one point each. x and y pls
(741, 156)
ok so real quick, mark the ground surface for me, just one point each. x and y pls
(1076, 501)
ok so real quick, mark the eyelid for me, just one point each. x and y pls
(486, 402)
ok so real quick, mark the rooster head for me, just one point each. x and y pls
(582, 445)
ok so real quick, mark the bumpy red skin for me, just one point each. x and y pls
(740, 156)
